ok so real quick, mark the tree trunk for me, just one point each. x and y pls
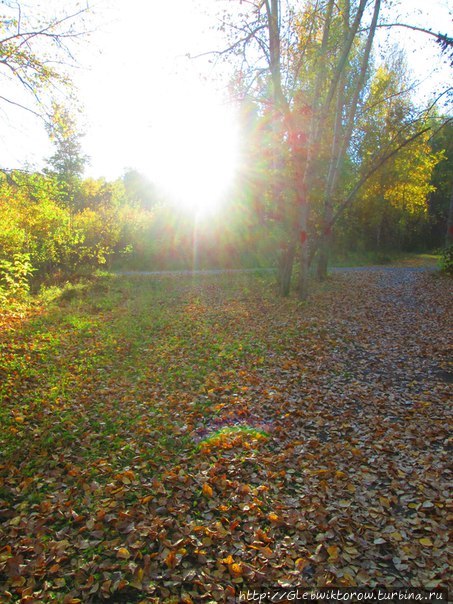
(323, 257)
(304, 252)
(286, 269)
(303, 275)
(378, 233)
(449, 234)
(342, 136)
(325, 244)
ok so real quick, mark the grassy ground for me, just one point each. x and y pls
(163, 441)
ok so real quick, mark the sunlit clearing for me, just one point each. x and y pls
(194, 151)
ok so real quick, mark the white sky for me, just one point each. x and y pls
(141, 88)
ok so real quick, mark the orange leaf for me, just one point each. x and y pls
(123, 553)
(235, 570)
(266, 552)
(171, 560)
(264, 537)
(333, 550)
(273, 517)
(54, 568)
(207, 490)
(301, 563)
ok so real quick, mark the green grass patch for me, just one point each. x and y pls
(99, 371)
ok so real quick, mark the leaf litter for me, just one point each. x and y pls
(194, 438)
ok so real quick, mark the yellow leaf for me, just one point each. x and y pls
(344, 503)
(426, 541)
(228, 560)
(273, 517)
(396, 536)
(264, 537)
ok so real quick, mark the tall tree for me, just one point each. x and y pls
(68, 161)
(349, 100)
(288, 43)
(311, 69)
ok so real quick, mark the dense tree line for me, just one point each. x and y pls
(339, 117)
(336, 157)
(57, 225)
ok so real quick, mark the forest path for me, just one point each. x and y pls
(397, 270)
(370, 405)
(398, 328)
(391, 335)
(358, 406)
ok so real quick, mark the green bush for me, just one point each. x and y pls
(14, 277)
(446, 260)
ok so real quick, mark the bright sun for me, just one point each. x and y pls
(194, 150)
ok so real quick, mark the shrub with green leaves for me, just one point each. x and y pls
(14, 277)
(446, 260)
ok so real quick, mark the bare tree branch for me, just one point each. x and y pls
(25, 55)
(3, 98)
(225, 51)
(439, 36)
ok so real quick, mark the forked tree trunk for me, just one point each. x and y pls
(342, 136)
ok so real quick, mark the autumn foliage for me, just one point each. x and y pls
(180, 439)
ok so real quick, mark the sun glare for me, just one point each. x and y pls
(193, 146)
